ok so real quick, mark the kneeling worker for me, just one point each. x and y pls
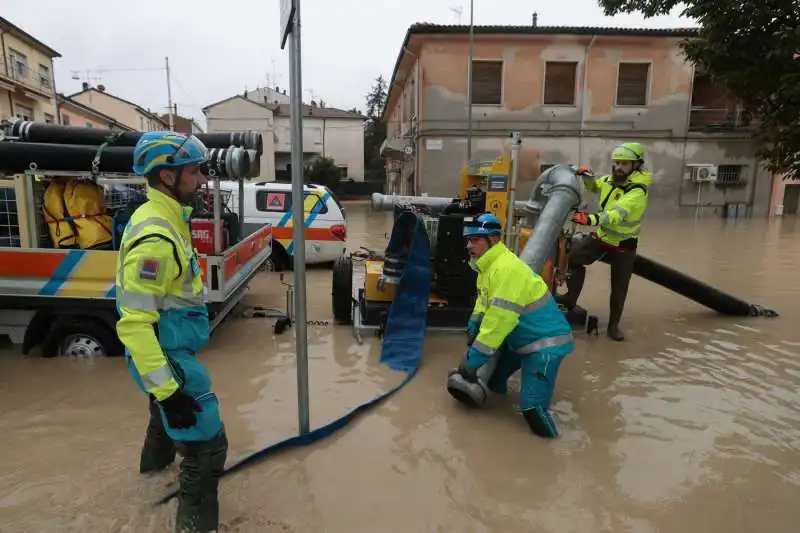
(516, 316)
(164, 323)
(623, 202)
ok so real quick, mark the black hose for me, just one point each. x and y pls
(17, 157)
(695, 290)
(37, 132)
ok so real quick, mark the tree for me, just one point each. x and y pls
(323, 171)
(750, 48)
(375, 129)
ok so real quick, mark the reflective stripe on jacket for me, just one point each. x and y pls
(622, 206)
(160, 292)
(514, 305)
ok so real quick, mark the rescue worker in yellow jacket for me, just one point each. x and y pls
(516, 316)
(164, 322)
(622, 202)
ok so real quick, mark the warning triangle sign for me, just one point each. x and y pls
(276, 201)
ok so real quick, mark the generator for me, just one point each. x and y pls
(536, 234)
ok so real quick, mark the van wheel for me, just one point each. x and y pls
(278, 260)
(81, 337)
(342, 290)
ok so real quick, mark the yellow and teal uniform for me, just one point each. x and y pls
(516, 314)
(622, 206)
(163, 317)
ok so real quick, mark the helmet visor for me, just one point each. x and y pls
(192, 149)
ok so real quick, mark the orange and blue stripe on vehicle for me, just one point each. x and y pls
(69, 273)
(312, 204)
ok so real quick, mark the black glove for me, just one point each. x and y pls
(179, 410)
(470, 374)
(471, 337)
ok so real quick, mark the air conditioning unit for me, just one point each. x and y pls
(703, 173)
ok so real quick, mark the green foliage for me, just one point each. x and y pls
(375, 129)
(323, 171)
(749, 47)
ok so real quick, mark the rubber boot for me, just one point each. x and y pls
(614, 333)
(202, 466)
(540, 422)
(158, 451)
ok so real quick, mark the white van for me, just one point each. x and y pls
(271, 202)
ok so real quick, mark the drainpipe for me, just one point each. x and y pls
(414, 185)
(585, 97)
(5, 68)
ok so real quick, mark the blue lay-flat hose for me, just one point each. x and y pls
(403, 339)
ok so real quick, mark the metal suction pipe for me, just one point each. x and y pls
(386, 202)
(557, 192)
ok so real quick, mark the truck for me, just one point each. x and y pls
(63, 298)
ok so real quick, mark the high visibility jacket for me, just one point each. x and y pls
(160, 293)
(514, 305)
(622, 206)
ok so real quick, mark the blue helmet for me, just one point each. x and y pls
(484, 225)
(167, 149)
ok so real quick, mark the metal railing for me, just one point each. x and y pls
(717, 118)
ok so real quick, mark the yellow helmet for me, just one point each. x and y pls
(628, 152)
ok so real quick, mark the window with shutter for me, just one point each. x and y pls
(632, 84)
(559, 82)
(487, 82)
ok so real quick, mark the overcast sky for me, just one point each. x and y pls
(217, 49)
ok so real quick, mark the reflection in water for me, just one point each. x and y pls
(690, 425)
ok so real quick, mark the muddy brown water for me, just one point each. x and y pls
(690, 425)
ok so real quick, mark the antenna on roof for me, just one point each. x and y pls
(458, 11)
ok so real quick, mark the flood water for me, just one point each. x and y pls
(691, 425)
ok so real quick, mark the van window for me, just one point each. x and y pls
(281, 202)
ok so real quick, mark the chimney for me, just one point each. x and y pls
(284, 92)
(101, 88)
(277, 89)
(535, 19)
(313, 103)
(85, 85)
(322, 103)
(245, 93)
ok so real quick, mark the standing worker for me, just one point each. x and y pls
(516, 315)
(164, 323)
(623, 202)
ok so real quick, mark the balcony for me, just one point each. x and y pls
(26, 78)
(717, 119)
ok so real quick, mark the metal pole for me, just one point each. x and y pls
(516, 142)
(296, 114)
(169, 98)
(469, 79)
(217, 216)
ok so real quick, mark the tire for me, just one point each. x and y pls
(81, 337)
(279, 260)
(342, 290)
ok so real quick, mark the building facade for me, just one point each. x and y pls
(123, 111)
(573, 93)
(327, 132)
(182, 124)
(27, 85)
(74, 113)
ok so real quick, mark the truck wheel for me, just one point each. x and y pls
(342, 290)
(278, 260)
(81, 337)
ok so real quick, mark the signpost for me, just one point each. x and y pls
(290, 27)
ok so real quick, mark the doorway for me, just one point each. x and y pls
(791, 198)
